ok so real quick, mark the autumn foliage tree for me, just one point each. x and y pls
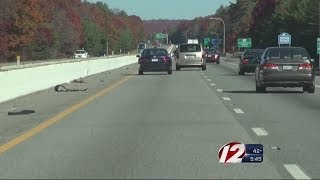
(261, 20)
(37, 29)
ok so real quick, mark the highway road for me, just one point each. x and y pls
(161, 126)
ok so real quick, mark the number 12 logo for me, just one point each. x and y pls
(232, 152)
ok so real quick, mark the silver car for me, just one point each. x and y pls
(190, 55)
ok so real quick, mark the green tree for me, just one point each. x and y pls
(94, 39)
(126, 41)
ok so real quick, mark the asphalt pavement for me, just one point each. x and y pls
(161, 126)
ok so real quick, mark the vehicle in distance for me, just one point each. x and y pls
(285, 67)
(190, 55)
(193, 41)
(154, 59)
(249, 60)
(212, 55)
(80, 54)
(102, 53)
(141, 47)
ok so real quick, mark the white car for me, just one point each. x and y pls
(81, 54)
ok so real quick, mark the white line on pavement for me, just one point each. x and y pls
(317, 86)
(212, 84)
(295, 171)
(238, 111)
(209, 79)
(219, 90)
(226, 98)
(205, 76)
(260, 131)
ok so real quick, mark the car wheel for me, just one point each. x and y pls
(311, 88)
(204, 67)
(140, 72)
(170, 71)
(177, 67)
(305, 88)
(241, 72)
(218, 62)
(260, 88)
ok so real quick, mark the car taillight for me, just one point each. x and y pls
(305, 66)
(244, 61)
(142, 59)
(167, 59)
(270, 66)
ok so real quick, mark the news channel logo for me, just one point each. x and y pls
(236, 152)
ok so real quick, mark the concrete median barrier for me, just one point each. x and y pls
(20, 82)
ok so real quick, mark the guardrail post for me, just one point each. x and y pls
(18, 60)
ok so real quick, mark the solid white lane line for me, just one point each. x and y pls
(238, 111)
(260, 131)
(212, 84)
(295, 171)
(219, 90)
(226, 98)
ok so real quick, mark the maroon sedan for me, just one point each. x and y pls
(212, 56)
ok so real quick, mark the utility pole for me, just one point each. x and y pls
(107, 47)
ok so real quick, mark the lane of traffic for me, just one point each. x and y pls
(154, 126)
(289, 116)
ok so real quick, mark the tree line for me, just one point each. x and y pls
(38, 29)
(261, 20)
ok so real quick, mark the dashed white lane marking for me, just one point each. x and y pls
(295, 171)
(238, 111)
(226, 98)
(205, 76)
(260, 131)
(209, 79)
(219, 90)
(317, 86)
(212, 84)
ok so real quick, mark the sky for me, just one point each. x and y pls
(167, 9)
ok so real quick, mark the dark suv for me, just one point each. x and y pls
(154, 59)
(285, 67)
(249, 60)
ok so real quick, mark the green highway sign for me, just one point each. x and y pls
(244, 42)
(206, 41)
(318, 46)
(161, 36)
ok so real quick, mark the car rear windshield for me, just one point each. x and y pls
(211, 51)
(287, 53)
(190, 48)
(253, 53)
(141, 46)
(80, 52)
(154, 52)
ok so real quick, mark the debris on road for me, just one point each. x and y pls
(21, 112)
(78, 81)
(61, 88)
